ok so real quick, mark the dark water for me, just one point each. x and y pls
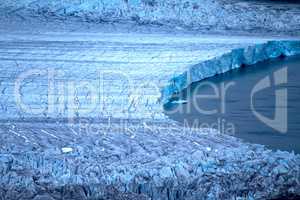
(234, 115)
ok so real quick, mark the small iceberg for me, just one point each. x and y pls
(66, 149)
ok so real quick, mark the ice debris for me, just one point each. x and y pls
(66, 149)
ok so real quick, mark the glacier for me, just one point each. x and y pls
(150, 156)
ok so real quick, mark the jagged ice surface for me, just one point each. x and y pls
(216, 15)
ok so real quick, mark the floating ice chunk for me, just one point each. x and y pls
(180, 102)
(66, 149)
(208, 148)
(196, 143)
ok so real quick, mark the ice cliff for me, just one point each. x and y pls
(228, 61)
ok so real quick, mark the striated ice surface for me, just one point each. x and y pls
(124, 72)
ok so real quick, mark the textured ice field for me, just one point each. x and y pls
(159, 161)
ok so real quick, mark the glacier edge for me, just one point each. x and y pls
(231, 60)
